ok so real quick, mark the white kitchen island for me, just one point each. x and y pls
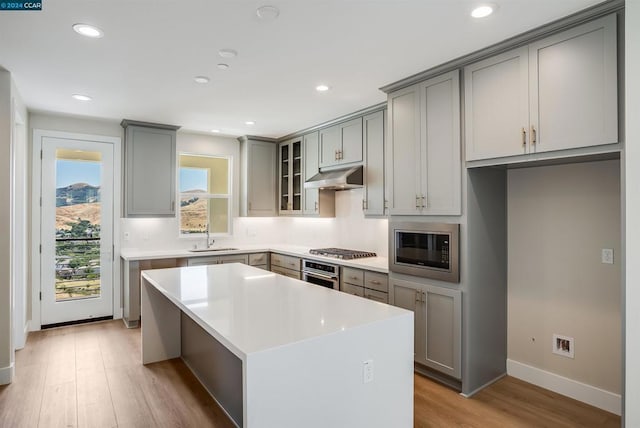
(278, 352)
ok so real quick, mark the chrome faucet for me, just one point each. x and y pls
(209, 242)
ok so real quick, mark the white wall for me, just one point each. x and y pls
(632, 214)
(10, 105)
(349, 229)
(6, 346)
(560, 217)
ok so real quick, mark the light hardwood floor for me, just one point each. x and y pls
(91, 376)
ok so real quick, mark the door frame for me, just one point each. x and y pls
(36, 211)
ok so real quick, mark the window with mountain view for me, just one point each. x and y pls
(205, 194)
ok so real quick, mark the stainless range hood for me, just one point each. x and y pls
(339, 179)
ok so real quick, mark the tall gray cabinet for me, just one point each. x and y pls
(150, 169)
(258, 176)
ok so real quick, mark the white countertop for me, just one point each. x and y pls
(250, 310)
(378, 264)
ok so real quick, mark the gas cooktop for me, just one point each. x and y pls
(341, 253)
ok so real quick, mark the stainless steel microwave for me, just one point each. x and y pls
(430, 250)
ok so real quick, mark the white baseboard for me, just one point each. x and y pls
(6, 374)
(592, 395)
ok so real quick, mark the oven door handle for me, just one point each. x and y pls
(320, 275)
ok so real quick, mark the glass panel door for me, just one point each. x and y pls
(76, 235)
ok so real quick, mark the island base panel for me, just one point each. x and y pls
(160, 326)
(217, 368)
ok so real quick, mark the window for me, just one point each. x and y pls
(205, 194)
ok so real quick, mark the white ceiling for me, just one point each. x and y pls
(144, 66)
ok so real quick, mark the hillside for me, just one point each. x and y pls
(71, 213)
(77, 193)
(194, 216)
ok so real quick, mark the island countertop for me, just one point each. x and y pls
(250, 310)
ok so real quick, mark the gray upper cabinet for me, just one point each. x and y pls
(554, 94)
(497, 106)
(258, 177)
(373, 132)
(290, 176)
(341, 144)
(150, 169)
(423, 151)
(310, 156)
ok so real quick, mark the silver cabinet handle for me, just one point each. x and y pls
(417, 201)
(524, 137)
(363, 205)
(533, 135)
(375, 282)
(424, 201)
(316, 206)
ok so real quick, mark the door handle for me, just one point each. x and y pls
(534, 135)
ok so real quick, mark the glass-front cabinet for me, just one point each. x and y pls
(291, 183)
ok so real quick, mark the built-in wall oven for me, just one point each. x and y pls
(320, 273)
(430, 250)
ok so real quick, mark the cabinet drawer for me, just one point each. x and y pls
(201, 261)
(286, 272)
(258, 259)
(286, 262)
(378, 296)
(236, 258)
(352, 289)
(376, 281)
(353, 276)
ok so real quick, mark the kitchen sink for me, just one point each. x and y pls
(209, 250)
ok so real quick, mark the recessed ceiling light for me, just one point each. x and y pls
(228, 53)
(88, 30)
(81, 97)
(249, 122)
(201, 79)
(483, 11)
(215, 131)
(322, 88)
(267, 13)
(223, 66)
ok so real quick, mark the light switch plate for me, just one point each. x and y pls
(607, 256)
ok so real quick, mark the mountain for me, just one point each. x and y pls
(77, 193)
(74, 213)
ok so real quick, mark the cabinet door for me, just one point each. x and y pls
(440, 134)
(403, 152)
(350, 150)
(497, 106)
(284, 177)
(330, 145)
(261, 179)
(443, 330)
(234, 258)
(407, 295)
(373, 133)
(574, 92)
(202, 261)
(297, 174)
(150, 172)
(310, 169)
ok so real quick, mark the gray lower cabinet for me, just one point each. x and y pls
(259, 260)
(214, 260)
(364, 283)
(286, 265)
(438, 324)
(150, 169)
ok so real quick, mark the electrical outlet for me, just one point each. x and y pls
(367, 371)
(607, 256)
(563, 345)
(126, 236)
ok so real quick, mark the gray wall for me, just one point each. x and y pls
(560, 217)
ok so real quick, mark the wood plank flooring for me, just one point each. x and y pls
(91, 376)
